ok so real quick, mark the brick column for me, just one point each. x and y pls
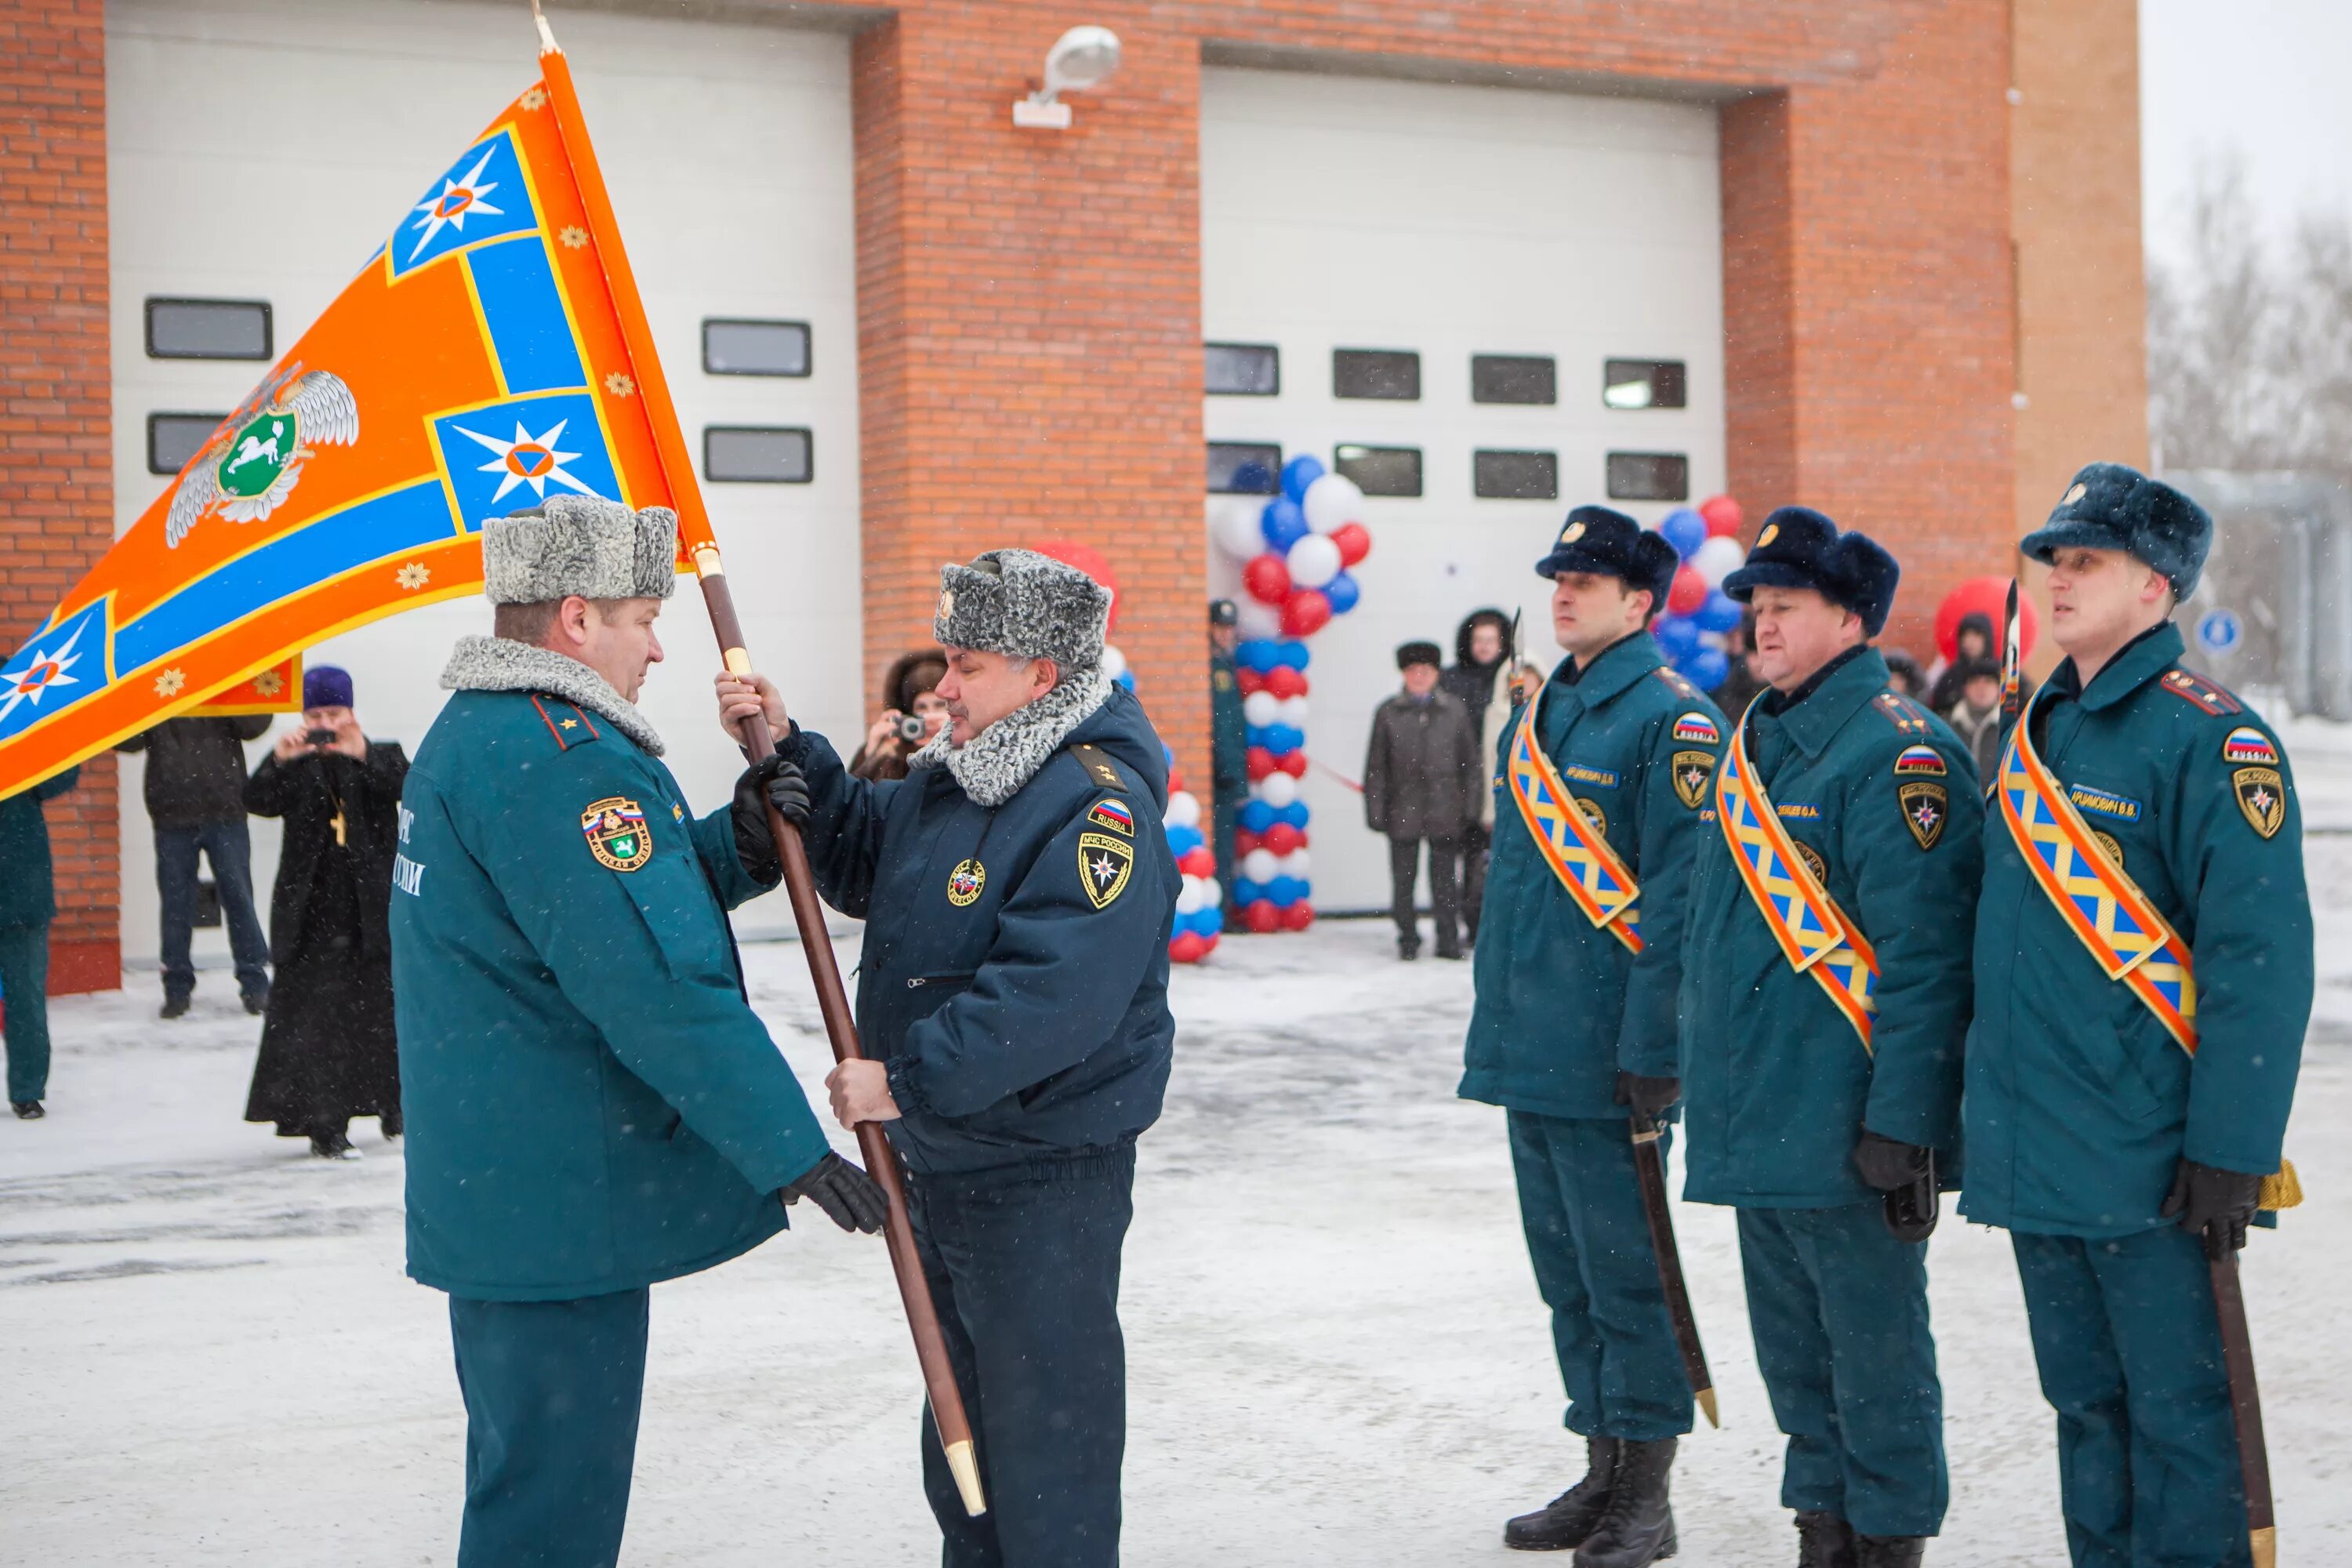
(56, 489)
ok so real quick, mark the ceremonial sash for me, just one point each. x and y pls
(1596, 879)
(1816, 937)
(2101, 906)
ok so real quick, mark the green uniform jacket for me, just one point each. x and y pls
(1562, 1006)
(2079, 1102)
(28, 893)
(1228, 732)
(590, 1103)
(1777, 1087)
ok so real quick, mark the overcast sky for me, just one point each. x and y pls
(2266, 77)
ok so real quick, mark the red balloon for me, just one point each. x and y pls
(1293, 763)
(1261, 762)
(1198, 861)
(1304, 613)
(1723, 516)
(1989, 598)
(1299, 916)
(1260, 917)
(1688, 593)
(1243, 842)
(1186, 947)
(1355, 542)
(1089, 559)
(1207, 943)
(1284, 682)
(1175, 779)
(1267, 578)
(1280, 839)
(1249, 680)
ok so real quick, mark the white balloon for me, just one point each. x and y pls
(1190, 899)
(1183, 809)
(1713, 639)
(1260, 707)
(1333, 502)
(1293, 712)
(1277, 790)
(1114, 663)
(1260, 866)
(1257, 621)
(1234, 524)
(1717, 559)
(1295, 864)
(1313, 561)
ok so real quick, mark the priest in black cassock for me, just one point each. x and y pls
(328, 1052)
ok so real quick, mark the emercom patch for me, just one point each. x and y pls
(618, 834)
(1105, 863)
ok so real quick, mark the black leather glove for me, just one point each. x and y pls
(1650, 1098)
(1888, 1165)
(850, 1198)
(2213, 1203)
(770, 780)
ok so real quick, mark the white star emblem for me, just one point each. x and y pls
(1104, 870)
(527, 459)
(46, 672)
(458, 197)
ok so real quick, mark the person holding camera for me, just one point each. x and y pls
(912, 715)
(328, 1051)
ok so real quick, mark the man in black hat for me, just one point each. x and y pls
(1419, 769)
(1228, 737)
(1575, 1019)
(1834, 898)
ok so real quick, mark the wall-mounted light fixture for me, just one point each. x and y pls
(1080, 58)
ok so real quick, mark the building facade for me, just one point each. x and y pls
(1880, 256)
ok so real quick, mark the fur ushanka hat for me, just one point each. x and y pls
(1024, 605)
(586, 545)
(2111, 507)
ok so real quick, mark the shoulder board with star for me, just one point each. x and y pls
(569, 725)
(1907, 717)
(2198, 692)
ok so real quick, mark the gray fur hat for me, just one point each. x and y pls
(1024, 605)
(586, 545)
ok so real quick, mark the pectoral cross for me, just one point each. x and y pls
(337, 823)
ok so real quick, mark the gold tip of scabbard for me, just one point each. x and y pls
(967, 1478)
(1706, 1405)
(2264, 1542)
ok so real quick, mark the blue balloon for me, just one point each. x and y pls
(1684, 530)
(1252, 735)
(1246, 892)
(1283, 525)
(1294, 813)
(1281, 739)
(1127, 678)
(1708, 669)
(1259, 653)
(1182, 840)
(1210, 920)
(1300, 472)
(1283, 891)
(1678, 637)
(1719, 614)
(1257, 816)
(1292, 653)
(1343, 593)
(1167, 754)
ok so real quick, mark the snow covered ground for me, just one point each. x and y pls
(1336, 1350)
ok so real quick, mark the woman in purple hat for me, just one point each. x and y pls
(328, 1050)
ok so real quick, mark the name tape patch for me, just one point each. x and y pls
(2107, 803)
(1583, 774)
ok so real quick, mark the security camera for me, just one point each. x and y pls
(1080, 58)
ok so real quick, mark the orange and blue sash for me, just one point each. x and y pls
(1600, 883)
(2104, 908)
(1816, 937)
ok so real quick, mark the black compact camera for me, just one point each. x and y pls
(910, 728)
(319, 737)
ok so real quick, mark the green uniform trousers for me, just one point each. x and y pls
(2130, 1354)
(1839, 1309)
(24, 997)
(1589, 1239)
(552, 1390)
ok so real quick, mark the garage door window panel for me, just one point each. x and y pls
(1245, 467)
(174, 439)
(1516, 476)
(1240, 370)
(1381, 470)
(757, 454)
(741, 346)
(209, 329)
(1644, 383)
(1514, 378)
(1649, 476)
(1390, 375)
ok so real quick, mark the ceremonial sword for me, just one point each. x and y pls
(1650, 1171)
(2245, 1399)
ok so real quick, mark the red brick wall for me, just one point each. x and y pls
(57, 491)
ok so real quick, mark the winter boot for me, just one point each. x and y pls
(28, 1110)
(174, 1007)
(1637, 1528)
(1889, 1551)
(1824, 1540)
(1563, 1523)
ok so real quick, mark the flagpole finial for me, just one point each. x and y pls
(547, 44)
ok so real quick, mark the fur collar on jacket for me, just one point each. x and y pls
(499, 664)
(1001, 759)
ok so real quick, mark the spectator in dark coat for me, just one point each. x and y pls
(1903, 676)
(906, 692)
(1976, 717)
(1740, 687)
(29, 901)
(196, 799)
(1480, 648)
(328, 1050)
(1424, 751)
(1973, 641)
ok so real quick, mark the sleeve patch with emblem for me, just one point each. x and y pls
(1925, 807)
(1104, 864)
(1918, 761)
(618, 834)
(1692, 771)
(2247, 745)
(1699, 728)
(1113, 815)
(2262, 795)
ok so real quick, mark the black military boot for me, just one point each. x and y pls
(1561, 1524)
(1889, 1551)
(1637, 1528)
(1824, 1540)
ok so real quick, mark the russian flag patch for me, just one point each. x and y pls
(2247, 745)
(1113, 815)
(1698, 727)
(1918, 761)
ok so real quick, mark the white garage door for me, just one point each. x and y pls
(1537, 279)
(257, 152)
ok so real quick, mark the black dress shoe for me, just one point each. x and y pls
(28, 1110)
(1563, 1523)
(174, 1007)
(1889, 1551)
(257, 1002)
(1824, 1540)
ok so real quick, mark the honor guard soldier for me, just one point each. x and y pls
(1824, 1004)
(1600, 780)
(1228, 737)
(2144, 978)
(1013, 997)
(592, 1104)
